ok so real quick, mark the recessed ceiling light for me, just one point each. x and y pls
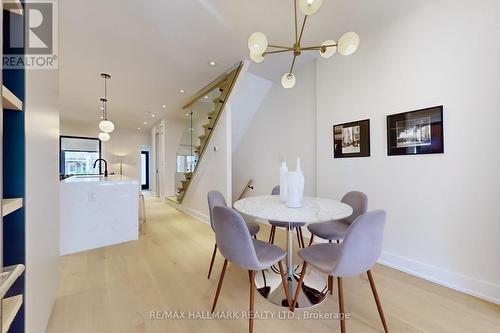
(182, 91)
(187, 114)
(164, 106)
(145, 123)
(212, 63)
(153, 115)
(206, 96)
(138, 128)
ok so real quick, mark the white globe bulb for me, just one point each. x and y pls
(348, 43)
(329, 51)
(106, 126)
(309, 7)
(288, 80)
(104, 136)
(256, 57)
(257, 43)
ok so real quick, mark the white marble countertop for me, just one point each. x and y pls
(98, 178)
(313, 210)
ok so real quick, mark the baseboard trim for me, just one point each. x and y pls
(465, 284)
(191, 212)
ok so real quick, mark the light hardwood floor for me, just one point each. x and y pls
(114, 289)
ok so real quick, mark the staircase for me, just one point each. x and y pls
(202, 124)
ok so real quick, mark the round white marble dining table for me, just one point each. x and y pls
(314, 210)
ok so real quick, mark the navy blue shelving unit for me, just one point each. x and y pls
(13, 153)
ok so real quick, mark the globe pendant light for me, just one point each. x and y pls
(309, 7)
(288, 80)
(105, 125)
(348, 43)
(256, 57)
(104, 136)
(325, 51)
(258, 43)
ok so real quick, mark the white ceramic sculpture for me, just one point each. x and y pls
(293, 193)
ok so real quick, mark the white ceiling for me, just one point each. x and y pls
(154, 48)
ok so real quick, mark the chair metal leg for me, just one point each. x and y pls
(221, 279)
(251, 276)
(311, 240)
(212, 261)
(271, 235)
(330, 284)
(299, 285)
(285, 285)
(298, 237)
(341, 305)
(377, 300)
(302, 238)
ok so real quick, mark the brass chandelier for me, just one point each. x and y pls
(258, 45)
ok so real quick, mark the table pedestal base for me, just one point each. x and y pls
(313, 291)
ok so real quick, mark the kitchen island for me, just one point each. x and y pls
(97, 211)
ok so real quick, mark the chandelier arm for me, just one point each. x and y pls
(302, 29)
(278, 51)
(296, 28)
(319, 47)
(293, 63)
(281, 47)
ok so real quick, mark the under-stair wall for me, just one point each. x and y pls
(283, 127)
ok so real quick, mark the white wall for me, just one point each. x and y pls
(42, 196)
(246, 101)
(283, 128)
(443, 217)
(124, 142)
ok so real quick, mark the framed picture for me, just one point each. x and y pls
(351, 139)
(416, 132)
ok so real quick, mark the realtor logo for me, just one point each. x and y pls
(32, 41)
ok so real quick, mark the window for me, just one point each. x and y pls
(185, 163)
(78, 154)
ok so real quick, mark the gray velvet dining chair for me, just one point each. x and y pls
(277, 224)
(215, 198)
(357, 254)
(336, 230)
(237, 246)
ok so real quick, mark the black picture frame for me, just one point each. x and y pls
(359, 147)
(416, 132)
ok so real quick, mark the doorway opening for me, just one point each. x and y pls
(145, 170)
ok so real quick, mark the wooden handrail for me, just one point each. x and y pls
(245, 190)
(211, 86)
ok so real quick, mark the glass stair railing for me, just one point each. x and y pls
(202, 114)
